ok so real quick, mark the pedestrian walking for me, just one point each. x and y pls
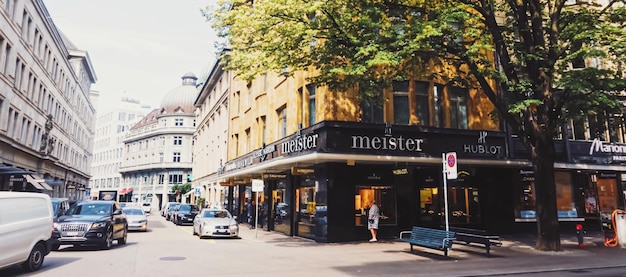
(372, 220)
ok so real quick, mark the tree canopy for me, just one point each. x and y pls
(540, 62)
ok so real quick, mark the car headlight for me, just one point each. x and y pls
(143, 221)
(98, 225)
(56, 225)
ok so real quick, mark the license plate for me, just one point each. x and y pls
(72, 234)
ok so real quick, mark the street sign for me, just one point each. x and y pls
(197, 192)
(451, 165)
(257, 185)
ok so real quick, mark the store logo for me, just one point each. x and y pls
(387, 143)
(300, 143)
(482, 147)
(263, 152)
(482, 137)
(599, 146)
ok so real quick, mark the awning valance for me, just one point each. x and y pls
(37, 183)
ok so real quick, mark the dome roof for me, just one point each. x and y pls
(181, 99)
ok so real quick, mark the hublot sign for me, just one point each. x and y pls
(482, 147)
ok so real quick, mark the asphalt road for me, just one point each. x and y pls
(169, 250)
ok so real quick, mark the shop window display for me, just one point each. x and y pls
(281, 211)
(312, 215)
(385, 197)
(463, 205)
(525, 206)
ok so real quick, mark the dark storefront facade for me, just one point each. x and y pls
(319, 183)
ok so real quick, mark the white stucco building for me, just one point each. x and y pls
(211, 135)
(46, 112)
(112, 126)
(158, 149)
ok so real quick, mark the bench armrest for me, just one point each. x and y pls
(445, 240)
(404, 233)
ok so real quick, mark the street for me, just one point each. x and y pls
(170, 250)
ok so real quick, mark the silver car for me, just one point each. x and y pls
(215, 223)
(137, 219)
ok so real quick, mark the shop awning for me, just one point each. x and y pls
(126, 190)
(37, 183)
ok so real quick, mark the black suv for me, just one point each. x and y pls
(185, 213)
(94, 222)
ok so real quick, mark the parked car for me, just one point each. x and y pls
(171, 210)
(215, 223)
(137, 219)
(185, 213)
(59, 207)
(146, 207)
(94, 222)
(25, 221)
(166, 207)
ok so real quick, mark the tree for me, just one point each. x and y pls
(524, 55)
(182, 188)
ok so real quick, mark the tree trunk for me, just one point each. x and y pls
(542, 156)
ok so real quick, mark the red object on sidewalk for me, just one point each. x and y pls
(579, 233)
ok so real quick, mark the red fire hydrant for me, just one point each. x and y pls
(580, 232)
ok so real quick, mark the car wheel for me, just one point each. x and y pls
(35, 258)
(122, 241)
(108, 240)
(55, 247)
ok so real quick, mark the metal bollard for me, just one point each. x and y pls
(579, 233)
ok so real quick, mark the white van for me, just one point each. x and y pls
(25, 229)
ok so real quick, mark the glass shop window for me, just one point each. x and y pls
(385, 197)
(525, 202)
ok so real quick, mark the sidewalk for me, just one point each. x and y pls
(393, 258)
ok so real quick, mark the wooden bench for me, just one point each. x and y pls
(475, 238)
(429, 238)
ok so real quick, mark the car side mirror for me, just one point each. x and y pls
(116, 212)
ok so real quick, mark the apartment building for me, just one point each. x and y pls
(112, 126)
(211, 136)
(157, 150)
(46, 112)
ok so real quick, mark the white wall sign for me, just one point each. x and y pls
(257, 185)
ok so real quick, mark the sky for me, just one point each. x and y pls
(138, 48)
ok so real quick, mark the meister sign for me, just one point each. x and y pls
(387, 143)
(300, 143)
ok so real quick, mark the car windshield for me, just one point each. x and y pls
(90, 209)
(216, 214)
(133, 211)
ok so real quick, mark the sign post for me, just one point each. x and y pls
(257, 186)
(449, 172)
